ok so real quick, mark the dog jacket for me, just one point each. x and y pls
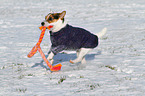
(72, 38)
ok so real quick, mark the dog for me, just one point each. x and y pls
(66, 37)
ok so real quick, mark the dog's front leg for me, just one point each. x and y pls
(54, 51)
(50, 57)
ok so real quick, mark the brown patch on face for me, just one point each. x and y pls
(52, 17)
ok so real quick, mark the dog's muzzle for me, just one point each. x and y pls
(48, 27)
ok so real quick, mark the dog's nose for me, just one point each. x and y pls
(42, 23)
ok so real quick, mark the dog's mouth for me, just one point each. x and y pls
(48, 26)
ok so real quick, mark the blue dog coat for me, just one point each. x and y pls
(72, 38)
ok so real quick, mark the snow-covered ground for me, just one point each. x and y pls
(115, 68)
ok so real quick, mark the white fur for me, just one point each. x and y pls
(50, 57)
(102, 33)
(56, 26)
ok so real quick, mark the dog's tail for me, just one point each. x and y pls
(102, 33)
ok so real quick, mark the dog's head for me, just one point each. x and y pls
(54, 19)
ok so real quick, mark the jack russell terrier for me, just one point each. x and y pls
(66, 37)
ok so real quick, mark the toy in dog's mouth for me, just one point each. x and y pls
(49, 27)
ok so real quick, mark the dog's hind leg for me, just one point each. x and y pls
(81, 55)
(78, 52)
(83, 60)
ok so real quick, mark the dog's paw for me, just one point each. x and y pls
(51, 61)
(74, 61)
(77, 61)
(50, 56)
(83, 61)
(71, 61)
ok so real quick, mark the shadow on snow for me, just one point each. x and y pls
(64, 58)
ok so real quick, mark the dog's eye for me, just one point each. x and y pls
(56, 17)
(50, 18)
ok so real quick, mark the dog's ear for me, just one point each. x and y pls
(62, 14)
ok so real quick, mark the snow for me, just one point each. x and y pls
(115, 68)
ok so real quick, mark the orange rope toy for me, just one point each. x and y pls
(37, 47)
